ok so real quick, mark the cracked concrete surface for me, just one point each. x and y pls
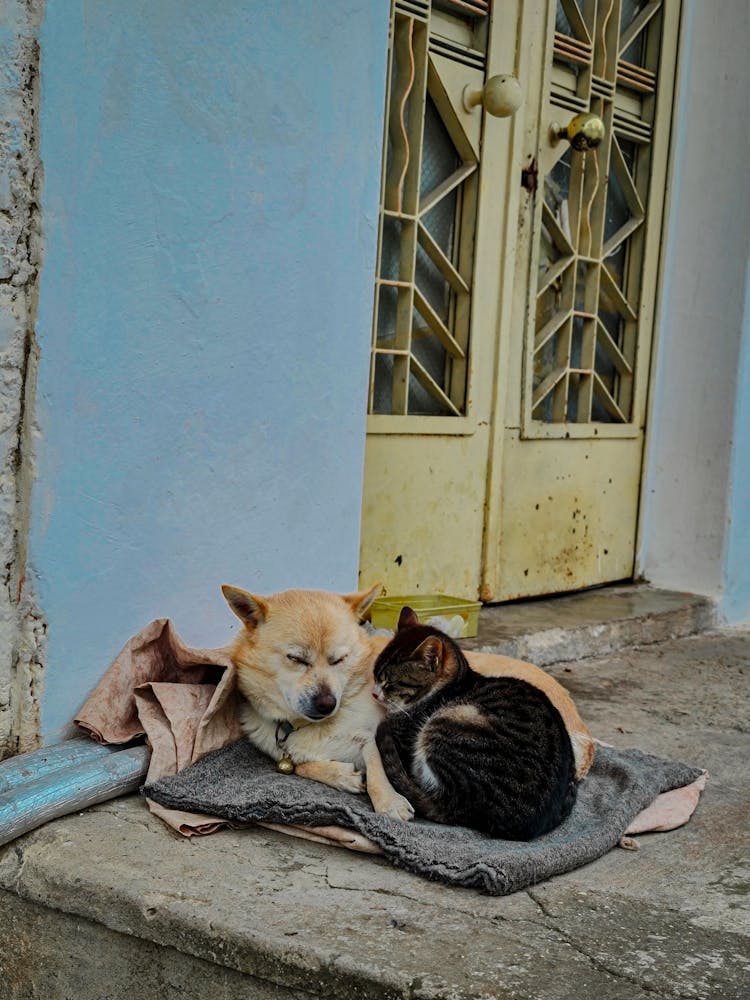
(279, 917)
(22, 630)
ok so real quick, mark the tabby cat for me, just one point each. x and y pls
(486, 752)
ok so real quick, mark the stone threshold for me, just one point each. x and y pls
(591, 623)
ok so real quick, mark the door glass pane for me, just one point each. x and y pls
(590, 227)
(428, 216)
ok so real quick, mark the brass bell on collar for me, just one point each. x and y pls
(285, 765)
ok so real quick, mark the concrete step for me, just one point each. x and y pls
(592, 623)
(109, 903)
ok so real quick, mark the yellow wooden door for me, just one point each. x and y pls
(445, 177)
(515, 296)
(563, 512)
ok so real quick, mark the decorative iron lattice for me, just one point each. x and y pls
(428, 211)
(592, 214)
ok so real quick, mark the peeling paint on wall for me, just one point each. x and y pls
(22, 628)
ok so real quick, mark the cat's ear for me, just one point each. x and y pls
(250, 610)
(407, 618)
(431, 653)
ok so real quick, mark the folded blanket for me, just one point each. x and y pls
(241, 785)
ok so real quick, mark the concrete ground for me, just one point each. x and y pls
(109, 904)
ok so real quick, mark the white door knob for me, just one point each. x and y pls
(501, 96)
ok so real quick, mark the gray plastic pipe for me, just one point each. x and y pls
(41, 786)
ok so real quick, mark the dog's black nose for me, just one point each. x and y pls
(324, 704)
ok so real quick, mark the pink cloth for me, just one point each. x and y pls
(182, 699)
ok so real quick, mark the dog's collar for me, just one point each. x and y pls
(284, 730)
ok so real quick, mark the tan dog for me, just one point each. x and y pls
(304, 666)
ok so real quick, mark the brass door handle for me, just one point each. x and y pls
(583, 132)
(501, 96)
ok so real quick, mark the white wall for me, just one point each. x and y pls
(693, 420)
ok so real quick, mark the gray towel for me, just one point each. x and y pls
(241, 784)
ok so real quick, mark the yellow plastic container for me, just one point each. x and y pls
(385, 611)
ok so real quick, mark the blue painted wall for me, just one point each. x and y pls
(735, 605)
(210, 206)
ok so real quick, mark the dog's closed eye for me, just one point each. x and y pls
(300, 661)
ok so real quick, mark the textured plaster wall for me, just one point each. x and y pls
(210, 206)
(21, 626)
(697, 442)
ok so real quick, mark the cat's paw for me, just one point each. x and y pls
(396, 806)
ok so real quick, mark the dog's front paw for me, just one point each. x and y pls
(348, 779)
(333, 773)
(395, 806)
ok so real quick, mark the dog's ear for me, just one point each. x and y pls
(250, 610)
(360, 603)
(407, 618)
